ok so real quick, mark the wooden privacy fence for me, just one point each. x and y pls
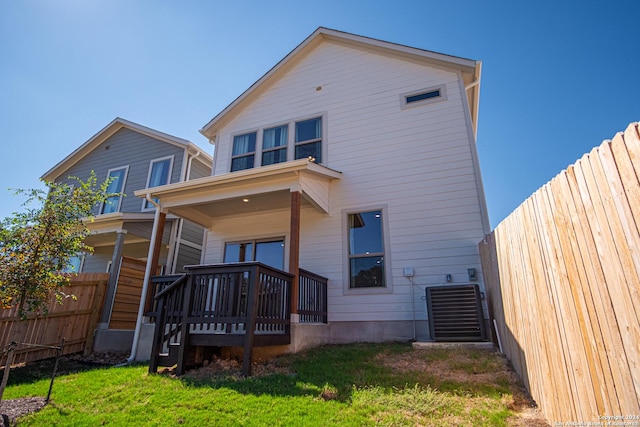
(563, 283)
(73, 320)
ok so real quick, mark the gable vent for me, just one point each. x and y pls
(422, 96)
(455, 313)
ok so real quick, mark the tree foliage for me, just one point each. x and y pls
(37, 244)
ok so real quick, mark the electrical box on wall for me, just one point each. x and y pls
(407, 272)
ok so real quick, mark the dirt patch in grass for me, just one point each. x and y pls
(479, 368)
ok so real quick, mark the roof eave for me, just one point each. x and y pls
(466, 66)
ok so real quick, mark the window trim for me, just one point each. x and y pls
(297, 144)
(404, 104)
(346, 273)
(255, 151)
(281, 147)
(122, 192)
(291, 144)
(171, 159)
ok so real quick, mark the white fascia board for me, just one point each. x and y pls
(240, 177)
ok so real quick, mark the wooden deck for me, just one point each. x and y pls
(229, 305)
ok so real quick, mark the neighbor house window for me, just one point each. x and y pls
(274, 145)
(159, 174)
(266, 251)
(366, 250)
(74, 265)
(118, 177)
(308, 140)
(244, 150)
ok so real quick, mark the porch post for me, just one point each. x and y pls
(155, 256)
(116, 259)
(294, 249)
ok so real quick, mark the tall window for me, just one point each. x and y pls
(112, 204)
(308, 142)
(159, 174)
(366, 250)
(269, 252)
(274, 145)
(244, 150)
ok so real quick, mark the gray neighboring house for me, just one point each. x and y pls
(136, 157)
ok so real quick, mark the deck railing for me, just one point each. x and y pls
(312, 297)
(221, 305)
(238, 304)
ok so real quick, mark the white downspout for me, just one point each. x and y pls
(145, 283)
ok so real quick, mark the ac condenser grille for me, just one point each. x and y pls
(455, 313)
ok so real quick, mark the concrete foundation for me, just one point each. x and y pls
(112, 340)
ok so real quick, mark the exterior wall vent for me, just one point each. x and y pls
(455, 313)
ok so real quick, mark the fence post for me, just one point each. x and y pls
(5, 377)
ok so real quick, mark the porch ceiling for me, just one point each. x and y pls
(104, 228)
(259, 189)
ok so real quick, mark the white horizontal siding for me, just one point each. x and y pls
(417, 162)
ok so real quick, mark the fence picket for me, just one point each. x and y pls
(563, 283)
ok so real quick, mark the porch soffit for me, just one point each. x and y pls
(266, 188)
(104, 228)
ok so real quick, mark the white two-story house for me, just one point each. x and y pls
(354, 159)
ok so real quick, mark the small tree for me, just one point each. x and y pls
(37, 244)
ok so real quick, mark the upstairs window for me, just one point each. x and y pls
(308, 141)
(274, 145)
(244, 150)
(159, 174)
(118, 177)
(366, 250)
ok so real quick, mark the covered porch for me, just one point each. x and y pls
(239, 304)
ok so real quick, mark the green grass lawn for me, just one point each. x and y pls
(358, 385)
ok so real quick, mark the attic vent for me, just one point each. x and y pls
(422, 96)
(455, 313)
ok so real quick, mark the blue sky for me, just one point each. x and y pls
(558, 76)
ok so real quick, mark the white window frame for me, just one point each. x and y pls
(260, 147)
(256, 150)
(310, 141)
(291, 144)
(171, 159)
(346, 276)
(124, 183)
(442, 97)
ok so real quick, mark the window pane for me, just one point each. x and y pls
(309, 129)
(115, 186)
(159, 173)
(313, 150)
(274, 156)
(271, 253)
(274, 137)
(367, 272)
(241, 163)
(238, 252)
(243, 144)
(365, 233)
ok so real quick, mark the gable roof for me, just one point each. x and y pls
(470, 69)
(106, 132)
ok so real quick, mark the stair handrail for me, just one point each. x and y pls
(179, 281)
